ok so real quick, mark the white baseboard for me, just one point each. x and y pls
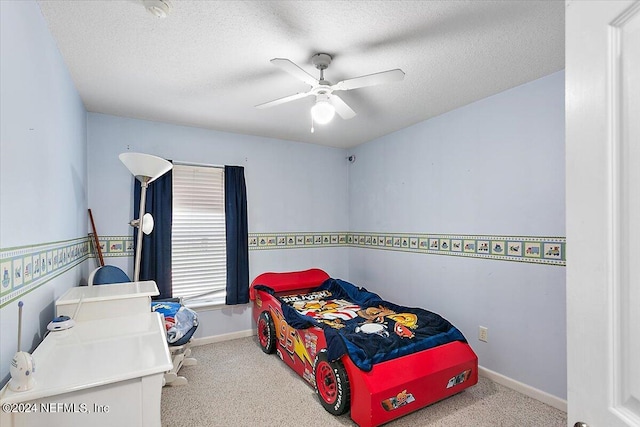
(224, 337)
(525, 389)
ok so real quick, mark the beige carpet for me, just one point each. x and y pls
(236, 384)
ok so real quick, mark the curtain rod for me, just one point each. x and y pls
(179, 162)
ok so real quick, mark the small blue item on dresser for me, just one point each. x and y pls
(61, 323)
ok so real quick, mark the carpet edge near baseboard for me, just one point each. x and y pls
(523, 388)
(223, 337)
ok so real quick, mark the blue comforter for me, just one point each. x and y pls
(360, 323)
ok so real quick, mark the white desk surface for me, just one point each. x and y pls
(95, 353)
(108, 292)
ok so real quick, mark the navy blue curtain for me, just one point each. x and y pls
(156, 247)
(237, 235)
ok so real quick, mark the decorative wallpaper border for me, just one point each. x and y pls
(113, 246)
(530, 249)
(258, 241)
(25, 268)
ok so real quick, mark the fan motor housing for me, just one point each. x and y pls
(321, 60)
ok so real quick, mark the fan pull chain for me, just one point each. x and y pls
(312, 129)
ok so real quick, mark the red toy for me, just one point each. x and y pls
(391, 389)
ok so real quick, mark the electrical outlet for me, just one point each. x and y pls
(483, 334)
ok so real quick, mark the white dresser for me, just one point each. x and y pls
(105, 372)
(103, 301)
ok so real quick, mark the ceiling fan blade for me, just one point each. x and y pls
(283, 100)
(341, 107)
(294, 70)
(370, 80)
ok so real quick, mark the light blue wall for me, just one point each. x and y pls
(291, 187)
(43, 175)
(493, 167)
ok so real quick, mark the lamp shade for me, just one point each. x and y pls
(145, 167)
(322, 111)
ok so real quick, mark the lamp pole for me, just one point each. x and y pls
(144, 183)
(145, 168)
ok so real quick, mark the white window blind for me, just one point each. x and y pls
(198, 237)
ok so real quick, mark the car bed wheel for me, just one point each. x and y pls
(266, 333)
(332, 384)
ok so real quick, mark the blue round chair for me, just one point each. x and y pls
(107, 274)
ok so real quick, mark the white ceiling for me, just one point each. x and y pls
(207, 64)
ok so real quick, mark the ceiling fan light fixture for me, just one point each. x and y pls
(322, 111)
(327, 102)
(158, 8)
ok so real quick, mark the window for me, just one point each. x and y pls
(198, 236)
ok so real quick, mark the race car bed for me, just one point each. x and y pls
(361, 353)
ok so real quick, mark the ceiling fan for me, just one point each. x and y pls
(327, 101)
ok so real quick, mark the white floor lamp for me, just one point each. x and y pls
(146, 168)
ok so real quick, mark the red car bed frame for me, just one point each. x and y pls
(390, 390)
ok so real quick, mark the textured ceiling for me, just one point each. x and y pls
(207, 64)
